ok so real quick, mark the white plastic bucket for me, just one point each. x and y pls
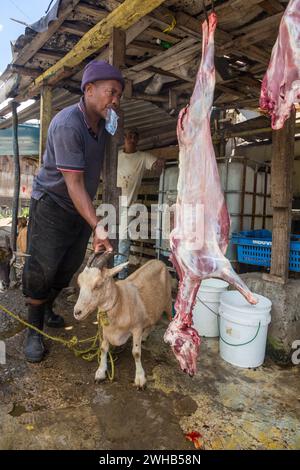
(243, 329)
(205, 321)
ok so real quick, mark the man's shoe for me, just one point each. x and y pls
(34, 347)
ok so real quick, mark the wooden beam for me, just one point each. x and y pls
(163, 56)
(25, 71)
(17, 177)
(271, 6)
(9, 87)
(117, 48)
(155, 33)
(41, 38)
(281, 196)
(111, 192)
(45, 119)
(131, 34)
(90, 10)
(74, 27)
(128, 13)
(268, 22)
(172, 104)
(44, 54)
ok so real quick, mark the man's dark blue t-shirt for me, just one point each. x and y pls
(71, 146)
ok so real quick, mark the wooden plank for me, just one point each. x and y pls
(155, 33)
(90, 10)
(117, 47)
(9, 87)
(161, 58)
(17, 178)
(259, 25)
(111, 192)
(25, 71)
(44, 54)
(74, 27)
(281, 196)
(283, 142)
(128, 13)
(41, 38)
(271, 6)
(172, 104)
(45, 119)
(131, 33)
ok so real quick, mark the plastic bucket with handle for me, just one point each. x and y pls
(205, 313)
(243, 329)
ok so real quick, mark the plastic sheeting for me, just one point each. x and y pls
(42, 24)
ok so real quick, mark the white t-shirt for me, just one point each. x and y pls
(131, 167)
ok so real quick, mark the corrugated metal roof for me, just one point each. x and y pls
(28, 137)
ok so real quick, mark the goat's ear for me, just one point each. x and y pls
(111, 272)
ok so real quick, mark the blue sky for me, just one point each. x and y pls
(28, 11)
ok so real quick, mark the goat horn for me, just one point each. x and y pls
(98, 260)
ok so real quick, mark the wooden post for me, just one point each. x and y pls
(111, 192)
(45, 118)
(117, 48)
(283, 149)
(15, 207)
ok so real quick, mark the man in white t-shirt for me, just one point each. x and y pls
(132, 164)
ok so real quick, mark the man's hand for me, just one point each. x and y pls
(158, 165)
(101, 240)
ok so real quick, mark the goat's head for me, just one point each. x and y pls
(6, 260)
(95, 283)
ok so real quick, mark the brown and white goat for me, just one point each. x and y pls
(133, 306)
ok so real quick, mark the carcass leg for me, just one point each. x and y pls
(230, 276)
(182, 337)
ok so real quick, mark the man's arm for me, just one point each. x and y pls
(84, 205)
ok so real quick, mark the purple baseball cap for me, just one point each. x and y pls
(100, 70)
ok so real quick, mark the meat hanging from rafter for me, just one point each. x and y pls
(200, 237)
(281, 84)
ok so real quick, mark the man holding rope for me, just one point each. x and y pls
(62, 216)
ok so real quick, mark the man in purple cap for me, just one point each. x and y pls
(62, 215)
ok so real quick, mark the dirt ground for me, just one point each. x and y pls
(57, 405)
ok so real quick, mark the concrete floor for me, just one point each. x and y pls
(57, 405)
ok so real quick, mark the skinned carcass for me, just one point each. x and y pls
(281, 84)
(200, 237)
(133, 306)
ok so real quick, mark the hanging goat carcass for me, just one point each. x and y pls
(200, 237)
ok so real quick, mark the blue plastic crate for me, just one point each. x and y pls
(254, 247)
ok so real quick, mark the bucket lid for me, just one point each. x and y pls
(213, 284)
(234, 300)
(234, 307)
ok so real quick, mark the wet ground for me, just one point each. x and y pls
(57, 405)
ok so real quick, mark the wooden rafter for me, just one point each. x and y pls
(41, 38)
(123, 17)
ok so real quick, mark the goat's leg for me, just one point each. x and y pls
(101, 371)
(140, 378)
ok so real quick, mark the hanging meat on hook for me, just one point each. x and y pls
(280, 88)
(200, 237)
